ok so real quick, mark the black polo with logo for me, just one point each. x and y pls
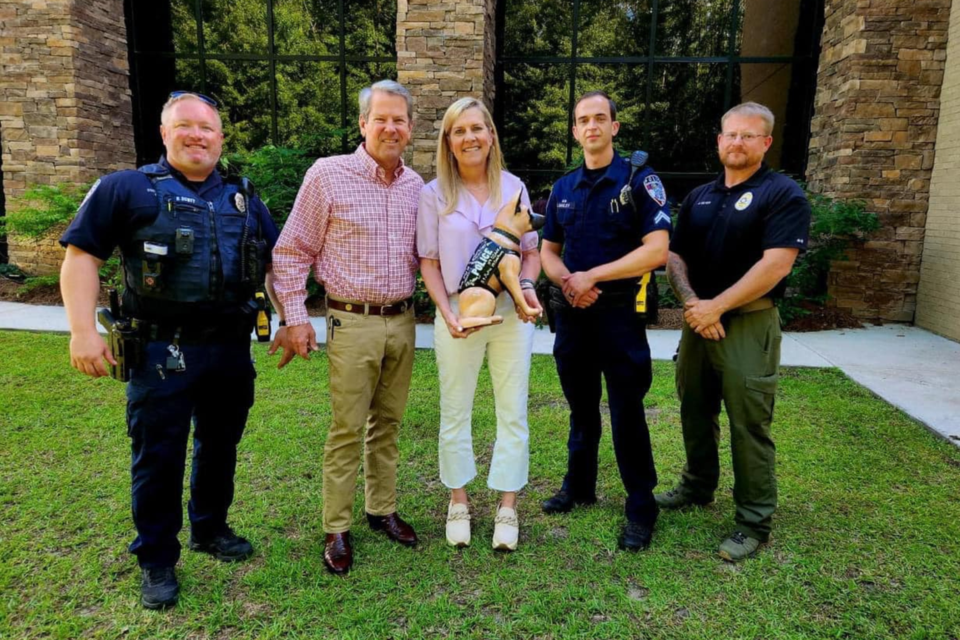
(722, 232)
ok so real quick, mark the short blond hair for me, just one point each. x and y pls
(448, 176)
(751, 109)
(169, 104)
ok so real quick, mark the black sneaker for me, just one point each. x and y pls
(226, 546)
(563, 502)
(635, 537)
(159, 588)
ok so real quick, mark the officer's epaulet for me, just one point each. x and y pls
(154, 170)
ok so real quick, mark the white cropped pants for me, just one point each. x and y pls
(508, 347)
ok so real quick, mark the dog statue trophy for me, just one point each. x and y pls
(495, 266)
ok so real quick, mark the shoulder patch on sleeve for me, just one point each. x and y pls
(655, 189)
(661, 217)
(89, 193)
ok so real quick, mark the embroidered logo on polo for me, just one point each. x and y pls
(744, 201)
(564, 204)
(655, 189)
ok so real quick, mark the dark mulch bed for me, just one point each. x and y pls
(820, 318)
(817, 318)
(45, 295)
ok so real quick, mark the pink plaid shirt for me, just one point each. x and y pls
(356, 231)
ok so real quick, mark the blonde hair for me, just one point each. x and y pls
(448, 176)
(169, 104)
(751, 109)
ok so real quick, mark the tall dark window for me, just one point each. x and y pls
(285, 72)
(672, 66)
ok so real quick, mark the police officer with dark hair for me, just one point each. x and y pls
(195, 250)
(607, 225)
(736, 241)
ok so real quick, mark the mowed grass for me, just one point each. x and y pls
(866, 542)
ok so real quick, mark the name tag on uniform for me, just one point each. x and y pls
(155, 249)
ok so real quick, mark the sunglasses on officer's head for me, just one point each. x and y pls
(210, 101)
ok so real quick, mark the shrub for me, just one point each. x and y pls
(834, 225)
(276, 172)
(41, 208)
(37, 283)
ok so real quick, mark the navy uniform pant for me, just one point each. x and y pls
(215, 392)
(610, 343)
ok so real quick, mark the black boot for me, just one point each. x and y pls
(226, 546)
(563, 502)
(635, 537)
(159, 588)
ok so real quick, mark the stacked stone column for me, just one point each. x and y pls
(445, 51)
(873, 135)
(65, 111)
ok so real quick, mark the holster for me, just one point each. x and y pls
(648, 299)
(126, 344)
(555, 302)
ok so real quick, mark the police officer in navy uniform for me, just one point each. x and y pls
(736, 241)
(598, 240)
(194, 249)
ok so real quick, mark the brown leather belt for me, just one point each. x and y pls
(367, 309)
(759, 304)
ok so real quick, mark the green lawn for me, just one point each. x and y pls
(866, 543)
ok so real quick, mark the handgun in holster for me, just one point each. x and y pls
(555, 303)
(123, 337)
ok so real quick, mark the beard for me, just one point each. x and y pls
(739, 158)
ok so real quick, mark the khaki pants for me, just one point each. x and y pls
(742, 371)
(371, 362)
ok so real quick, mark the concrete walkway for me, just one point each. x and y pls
(913, 369)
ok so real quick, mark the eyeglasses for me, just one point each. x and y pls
(746, 137)
(179, 94)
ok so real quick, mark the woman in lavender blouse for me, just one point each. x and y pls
(456, 211)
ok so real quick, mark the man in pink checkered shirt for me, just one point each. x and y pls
(354, 222)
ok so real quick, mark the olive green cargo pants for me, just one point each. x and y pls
(742, 370)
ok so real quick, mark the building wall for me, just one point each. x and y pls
(938, 300)
(873, 138)
(445, 51)
(65, 112)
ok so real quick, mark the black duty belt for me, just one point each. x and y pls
(194, 334)
(367, 309)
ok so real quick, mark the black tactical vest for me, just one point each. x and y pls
(193, 255)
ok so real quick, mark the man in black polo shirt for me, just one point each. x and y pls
(735, 243)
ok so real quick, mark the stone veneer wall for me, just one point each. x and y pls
(938, 302)
(445, 51)
(65, 106)
(873, 136)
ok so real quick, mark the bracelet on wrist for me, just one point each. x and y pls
(283, 323)
(527, 283)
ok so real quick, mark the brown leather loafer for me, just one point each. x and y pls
(395, 528)
(338, 554)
